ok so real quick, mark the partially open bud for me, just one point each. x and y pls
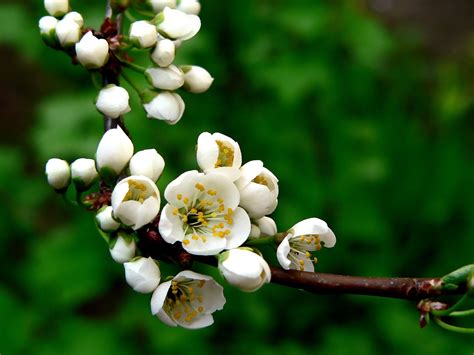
(166, 106)
(68, 33)
(47, 26)
(75, 17)
(196, 79)
(58, 173)
(142, 274)
(83, 173)
(169, 78)
(91, 51)
(123, 249)
(112, 101)
(106, 221)
(175, 24)
(147, 163)
(159, 5)
(164, 52)
(244, 269)
(267, 227)
(56, 8)
(192, 7)
(114, 152)
(143, 34)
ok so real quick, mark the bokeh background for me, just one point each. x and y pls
(363, 109)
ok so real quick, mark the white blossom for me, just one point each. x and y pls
(244, 269)
(258, 189)
(202, 214)
(267, 226)
(159, 5)
(114, 151)
(166, 106)
(188, 300)
(142, 274)
(220, 154)
(112, 101)
(164, 52)
(47, 26)
(135, 201)
(169, 78)
(74, 16)
(196, 79)
(147, 163)
(58, 173)
(176, 24)
(68, 32)
(294, 252)
(56, 8)
(123, 250)
(105, 219)
(91, 51)
(192, 7)
(83, 172)
(143, 34)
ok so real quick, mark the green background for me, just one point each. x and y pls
(367, 125)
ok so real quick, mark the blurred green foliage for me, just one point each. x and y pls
(362, 128)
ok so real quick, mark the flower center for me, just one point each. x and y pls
(300, 246)
(182, 301)
(226, 154)
(136, 191)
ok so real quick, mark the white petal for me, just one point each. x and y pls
(127, 212)
(328, 238)
(200, 321)
(257, 200)
(267, 226)
(170, 226)
(224, 187)
(165, 318)
(147, 212)
(159, 296)
(240, 230)
(207, 151)
(282, 254)
(183, 185)
(212, 245)
(249, 171)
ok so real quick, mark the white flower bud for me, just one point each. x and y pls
(91, 51)
(114, 151)
(106, 221)
(196, 79)
(267, 227)
(244, 269)
(159, 5)
(83, 172)
(169, 78)
(192, 7)
(176, 24)
(123, 250)
(254, 231)
(58, 173)
(56, 8)
(166, 106)
(47, 26)
(164, 52)
(76, 17)
(142, 274)
(143, 34)
(68, 32)
(147, 163)
(112, 101)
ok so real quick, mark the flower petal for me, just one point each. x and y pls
(159, 296)
(170, 226)
(282, 253)
(240, 229)
(211, 246)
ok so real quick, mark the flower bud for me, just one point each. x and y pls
(58, 173)
(114, 152)
(164, 52)
(254, 231)
(169, 78)
(75, 17)
(142, 274)
(91, 51)
(68, 32)
(244, 269)
(105, 220)
(196, 79)
(166, 106)
(56, 8)
(147, 163)
(159, 5)
(83, 172)
(175, 24)
(267, 227)
(112, 101)
(123, 250)
(143, 34)
(192, 7)
(47, 26)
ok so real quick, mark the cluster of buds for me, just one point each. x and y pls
(168, 26)
(218, 211)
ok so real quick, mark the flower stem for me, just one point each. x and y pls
(447, 312)
(260, 241)
(453, 328)
(129, 16)
(133, 66)
(467, 313)
(132, 83)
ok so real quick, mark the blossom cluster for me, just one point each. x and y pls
(168, 26)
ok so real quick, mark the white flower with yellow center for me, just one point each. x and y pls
(258, 189)
(294, 252)
(220, 154)
(203, 214)
(136, 201)
(188, 300)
